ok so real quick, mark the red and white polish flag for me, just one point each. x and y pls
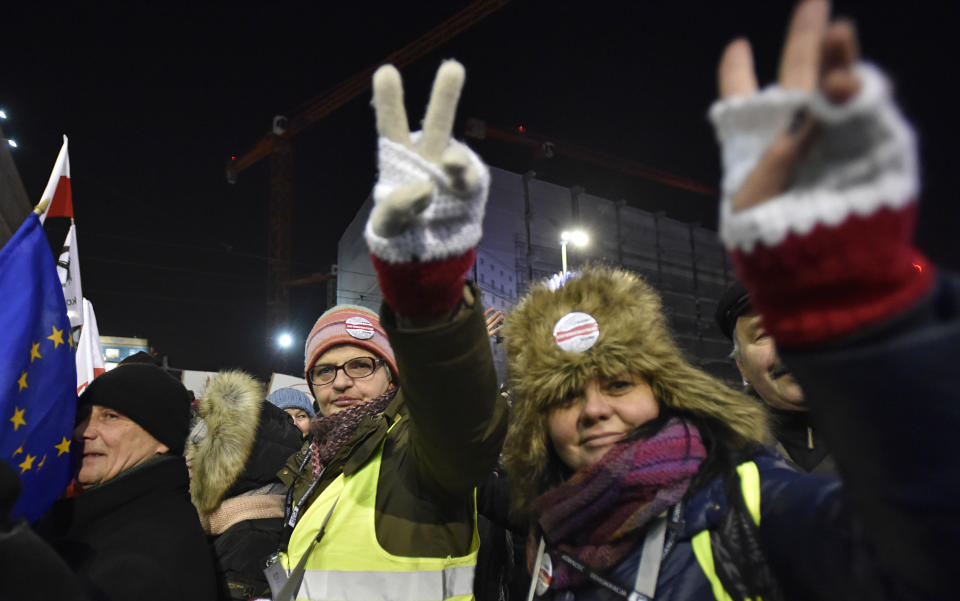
(58, 187)
(90, 362)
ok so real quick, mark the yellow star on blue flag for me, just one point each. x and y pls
(38, 394)
(56, 337)
(63, 447)
(17, 419)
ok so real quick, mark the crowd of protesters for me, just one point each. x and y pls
(618, 470)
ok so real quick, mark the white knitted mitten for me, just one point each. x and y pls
(450, 224)
(429, 199)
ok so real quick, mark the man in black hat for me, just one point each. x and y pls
(132, 532)
(766, 377)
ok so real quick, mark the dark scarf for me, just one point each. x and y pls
(601, 512)
(332, 432)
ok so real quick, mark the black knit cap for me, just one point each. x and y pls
(733, 304)
(148, 396)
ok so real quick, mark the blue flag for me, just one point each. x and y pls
(38, 376)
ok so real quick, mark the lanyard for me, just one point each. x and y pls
(291, 510)
(656, 545)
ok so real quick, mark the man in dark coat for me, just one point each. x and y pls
(132, 532)
(767, 379)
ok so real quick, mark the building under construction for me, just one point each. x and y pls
(521, 244)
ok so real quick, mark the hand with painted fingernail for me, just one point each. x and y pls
(820, 178)
(494, 319)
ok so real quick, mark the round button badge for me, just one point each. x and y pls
(359, 328)
(576, 332)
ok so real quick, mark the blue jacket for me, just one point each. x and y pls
(786, 496)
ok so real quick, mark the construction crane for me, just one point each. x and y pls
(277, 145)
(550, 147)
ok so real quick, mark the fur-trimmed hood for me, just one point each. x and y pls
(634, 339)
(239, 441)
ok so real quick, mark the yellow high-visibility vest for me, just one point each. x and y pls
(703, 550)
(348, 562)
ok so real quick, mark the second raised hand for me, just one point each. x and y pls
(398, 210)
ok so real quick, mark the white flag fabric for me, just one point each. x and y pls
(58, 188)
(196, 381)
(68, 268)
(278, 381)
(90, 362)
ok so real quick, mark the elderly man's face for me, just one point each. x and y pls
(761, 367)
(111, 442)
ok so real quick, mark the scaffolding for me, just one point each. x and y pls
(685, 262)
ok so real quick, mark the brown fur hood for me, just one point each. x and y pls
(222, 439)
(634, 339)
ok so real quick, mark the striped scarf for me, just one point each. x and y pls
(601, 512)
(332, 432)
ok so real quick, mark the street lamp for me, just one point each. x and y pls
(284, 340)
(578, 237)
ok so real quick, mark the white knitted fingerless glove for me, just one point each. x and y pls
(862, 157)
(449, 226)
(832, 253)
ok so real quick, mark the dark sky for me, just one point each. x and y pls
(155, 98)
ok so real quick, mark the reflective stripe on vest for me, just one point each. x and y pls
(703, 550)
(349, 564)
(409, 586)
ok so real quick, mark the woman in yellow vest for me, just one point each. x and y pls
(382, 502)
(645, 478)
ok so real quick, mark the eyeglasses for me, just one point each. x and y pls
(361, 367)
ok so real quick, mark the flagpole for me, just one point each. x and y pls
(41, 206)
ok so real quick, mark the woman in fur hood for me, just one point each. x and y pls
(643, 477)
(236, 447)
(611, 429)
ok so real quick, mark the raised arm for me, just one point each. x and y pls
(422, 233)
(819, 192)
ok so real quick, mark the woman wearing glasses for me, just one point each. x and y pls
(348, 360)
(381, 499)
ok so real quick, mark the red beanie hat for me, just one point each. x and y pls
(348, 324)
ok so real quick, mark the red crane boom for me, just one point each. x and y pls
(277, 145)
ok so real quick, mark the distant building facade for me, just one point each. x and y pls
(521, 243)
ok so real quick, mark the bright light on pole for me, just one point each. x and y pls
(284, 340)
(577, 237)
(12, 143)
(3, 114)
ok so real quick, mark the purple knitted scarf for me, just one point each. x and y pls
(332, 432)
(600, 513)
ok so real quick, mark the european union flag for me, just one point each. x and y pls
(38, 376)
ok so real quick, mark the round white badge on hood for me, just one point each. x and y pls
(359, 328)
(576, 332)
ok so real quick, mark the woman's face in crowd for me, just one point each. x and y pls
(600, 416)
(345, 392)
(301, 419)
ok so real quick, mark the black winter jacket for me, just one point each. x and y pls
(236, 451)
(135, 537)
(242, 551)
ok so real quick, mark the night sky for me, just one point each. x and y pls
(155, 99)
